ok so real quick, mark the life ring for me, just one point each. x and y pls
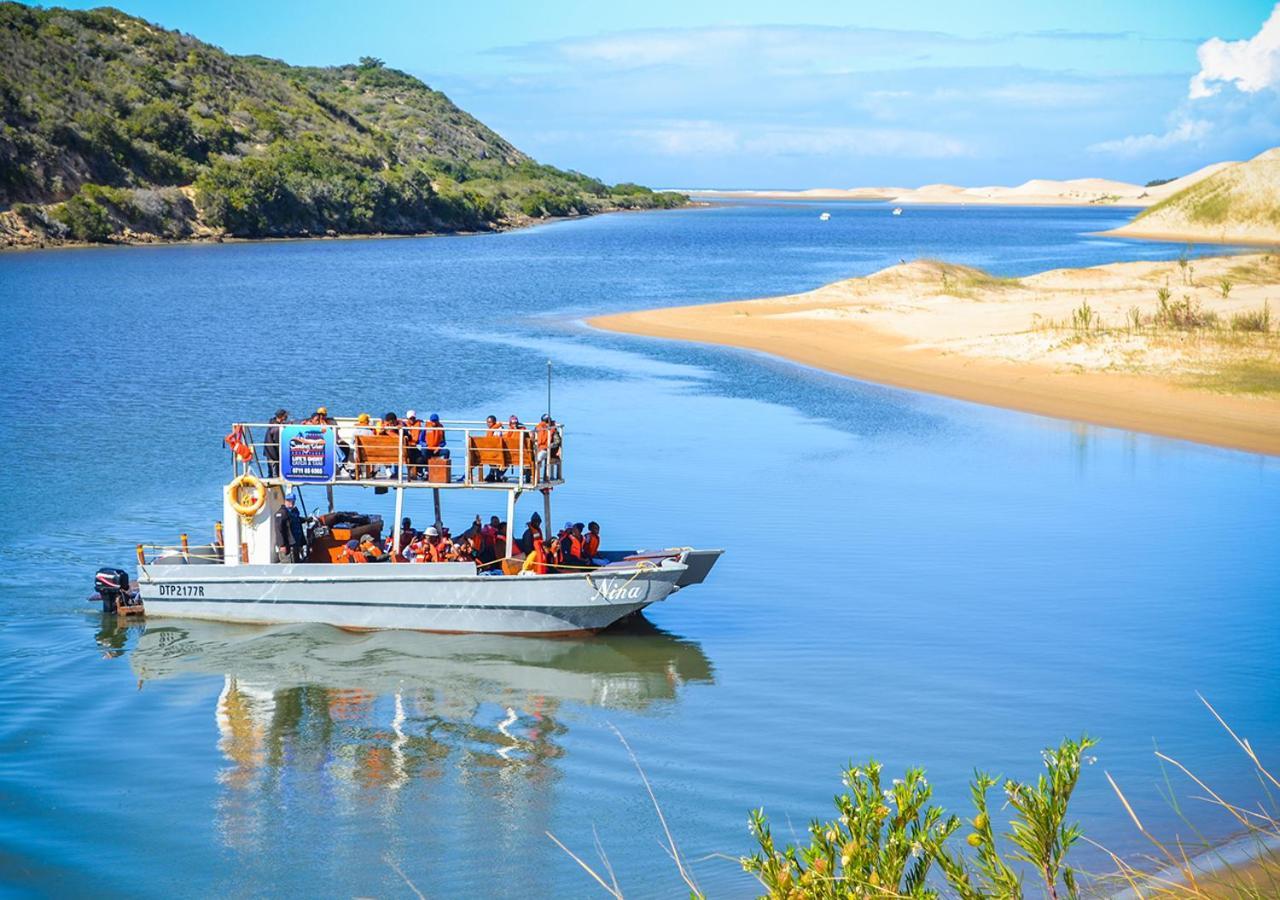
(247, 495)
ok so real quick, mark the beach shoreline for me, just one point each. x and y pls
(895, 328)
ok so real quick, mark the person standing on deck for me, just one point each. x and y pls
(271, 443)
(542, 442)
(499, 529)
(414, 433)
(291, 537)
(531, 534)
(553, 458)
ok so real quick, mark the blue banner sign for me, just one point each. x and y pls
(307, 452)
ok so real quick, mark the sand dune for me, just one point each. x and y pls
(1035, 192)
(1009, 342)
(1238, 202)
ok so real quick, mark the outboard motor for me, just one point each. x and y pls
(113, 587)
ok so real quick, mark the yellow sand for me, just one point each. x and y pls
(955, 331)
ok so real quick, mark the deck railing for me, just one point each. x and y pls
(345, 451)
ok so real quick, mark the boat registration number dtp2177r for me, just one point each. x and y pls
(182, 590)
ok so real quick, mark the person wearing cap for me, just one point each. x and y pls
(370, 549)
(414, 434)
(319, 417)
(291, 537)
(433, 440)
(271, 443)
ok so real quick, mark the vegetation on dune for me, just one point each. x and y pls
(112, 126)
(1244, 197)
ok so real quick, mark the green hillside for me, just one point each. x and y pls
(114, 128)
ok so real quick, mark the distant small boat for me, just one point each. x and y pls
(825, 217)
(897, 210)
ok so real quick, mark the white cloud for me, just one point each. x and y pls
(1185, 131)
(1251, 65)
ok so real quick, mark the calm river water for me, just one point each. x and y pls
(909, 578)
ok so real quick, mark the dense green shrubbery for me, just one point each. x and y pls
(84, 218)
(103, 99)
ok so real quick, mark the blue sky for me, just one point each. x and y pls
(749, 94)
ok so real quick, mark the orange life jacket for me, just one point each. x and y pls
(235, 440)
(590, 546)
(434, 436)
(539, 556)
(429, 552)
(413, 433)
(352, 556)
(375, 552)
(543, 432)
(574, 545)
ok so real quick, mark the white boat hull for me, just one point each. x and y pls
(443, 597)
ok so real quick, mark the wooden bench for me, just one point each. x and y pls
(500, 451)
(373, 450)
(484, 450)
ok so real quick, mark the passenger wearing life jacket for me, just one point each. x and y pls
(431, 548)
(532, 533)
(542, 433)
(572, 547)
(493, 429)
(433, 441)
(495, 537)
(372, 552)
(407, 537)
(591, 543)
(554, 461)
(414, 431)
(536, 560)
(351, 552)
(390, 424)
(464, 549)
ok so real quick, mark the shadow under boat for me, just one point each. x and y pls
(630, 666)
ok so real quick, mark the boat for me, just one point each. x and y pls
(241, 577)
(897, 210)
(825, 217)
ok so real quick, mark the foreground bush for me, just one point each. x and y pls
(886, 841)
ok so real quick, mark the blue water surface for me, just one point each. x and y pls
(920, 580)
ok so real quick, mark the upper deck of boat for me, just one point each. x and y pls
(348, 453)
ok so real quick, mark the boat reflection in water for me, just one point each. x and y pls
(343, 716)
